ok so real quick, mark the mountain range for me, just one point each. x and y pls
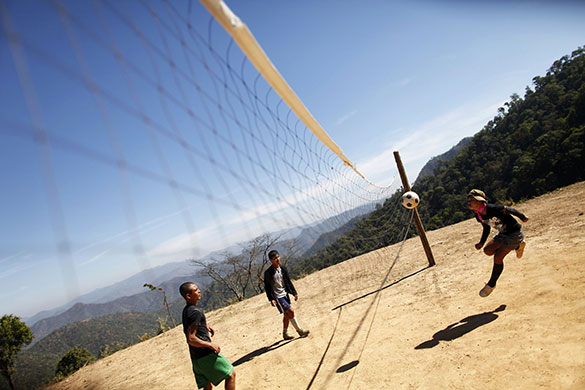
(127, 287)
(536, 146)
(434, 162)
(130, 295)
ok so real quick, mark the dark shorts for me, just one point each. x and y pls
(213, 368)
(283, 304)
(510, 240)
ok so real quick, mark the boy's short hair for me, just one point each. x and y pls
(272, 254)
(185, 289)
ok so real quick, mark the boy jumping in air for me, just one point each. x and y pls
(509, 238)
(278, 285)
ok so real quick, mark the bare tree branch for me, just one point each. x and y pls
(152, 288)
(244, 272)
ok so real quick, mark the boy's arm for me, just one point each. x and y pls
(195, 341)
(516, 213)
(268, 287)
(484, 235)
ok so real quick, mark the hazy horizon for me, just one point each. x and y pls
(379, 76)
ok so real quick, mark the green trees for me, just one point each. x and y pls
(73, 361)
(533, 145)
(14, 334)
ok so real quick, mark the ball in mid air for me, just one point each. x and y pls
(410, 199)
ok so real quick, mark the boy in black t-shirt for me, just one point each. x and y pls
(509, 238)
(209, 366)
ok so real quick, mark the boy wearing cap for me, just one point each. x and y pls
(509, 238)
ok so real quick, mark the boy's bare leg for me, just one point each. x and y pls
(495, 249)
(285, 320)
(500, 254)
(230, 383)
(209, 386)
(491, 247)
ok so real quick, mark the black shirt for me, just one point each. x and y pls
(500, 217)
(194, 316)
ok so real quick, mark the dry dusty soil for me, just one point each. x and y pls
(427, 328)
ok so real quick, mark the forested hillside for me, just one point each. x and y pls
(100, 336)
(435, 162)
(534, 145)
(145, 302)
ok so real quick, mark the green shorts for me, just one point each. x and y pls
(212, 368)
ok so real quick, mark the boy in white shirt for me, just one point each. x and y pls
(278, 285)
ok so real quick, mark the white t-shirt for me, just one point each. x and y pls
(279, 291)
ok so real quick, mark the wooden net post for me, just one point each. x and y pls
(419, 226)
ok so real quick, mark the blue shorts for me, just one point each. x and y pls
(283, 304)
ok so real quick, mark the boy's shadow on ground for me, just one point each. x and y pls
(462, 327)
(260, 351)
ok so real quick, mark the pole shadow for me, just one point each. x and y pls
(260, 351)
(380, 289)
(462, 327)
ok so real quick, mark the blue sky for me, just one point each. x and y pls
(378, 76)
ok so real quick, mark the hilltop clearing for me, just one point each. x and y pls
(429, 330)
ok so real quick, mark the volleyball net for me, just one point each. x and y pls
(138, 133)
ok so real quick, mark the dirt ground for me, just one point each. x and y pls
(426, 329)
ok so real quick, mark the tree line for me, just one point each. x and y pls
(534, 145)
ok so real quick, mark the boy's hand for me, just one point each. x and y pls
(297, 297)
(478, 245)
(215, 347)
(273, 303)
(525, 219)
(211, 331)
